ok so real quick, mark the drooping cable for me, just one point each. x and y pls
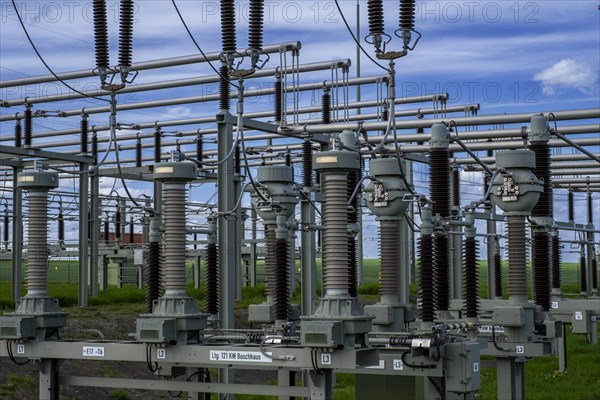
(198, 46)
(42, 59)
(337, 4)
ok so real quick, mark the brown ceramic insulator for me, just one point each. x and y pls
(517, 253)
(407, 15)
(278, 100)
(307, 163)
(255, 24)
(439, 182)
(228, 26)
(84, 135)
(471, 277)
(442, 273)
(18, 134)
(138, 152)
(556, 258)
(212, 279)
(456, 187)
(389, 237)
(224, 89)
(543, 207)
(61, 226)
(101, 34)
(152, 274)
(95, 147)
(326, 108)
(126, 33)
(426, 277)
(541, 270)
(157, 146)
(582, 274)
(28, 127)
(270, 260)
(282, 277)
(497, 275)
(375, 13)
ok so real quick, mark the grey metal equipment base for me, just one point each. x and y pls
(319, 365)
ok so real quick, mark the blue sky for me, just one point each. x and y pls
(509, 56)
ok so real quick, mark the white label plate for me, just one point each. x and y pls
(239, 356)
(20, 349)
(578, 315)
(398, 365)
(161, 354)
(93, 351)
(326, 359)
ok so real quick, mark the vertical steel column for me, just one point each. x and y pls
(253, 218)
(226, 229)
(48, 382)
(95, 233)
(510, 378)
(592, 286)
(83, 236)
(238, 235)
(17, 237)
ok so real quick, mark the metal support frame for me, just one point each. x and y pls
(84, 183)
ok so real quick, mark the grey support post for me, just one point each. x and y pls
(83, 236)
(94, 233)
(226, 230)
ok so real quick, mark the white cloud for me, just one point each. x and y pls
(568, 74)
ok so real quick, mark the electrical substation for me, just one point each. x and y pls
(293, 186)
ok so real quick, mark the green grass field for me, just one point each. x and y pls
(581, 381)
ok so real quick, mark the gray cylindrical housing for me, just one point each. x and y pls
(386, 197)
(336, 161)
(539, 132)
(37, 246)
(175, 171)
(335, 234)
(279, 181)
(439, 137)
(174, 222)
(517, 190)
(348, 139)
(34, 179)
